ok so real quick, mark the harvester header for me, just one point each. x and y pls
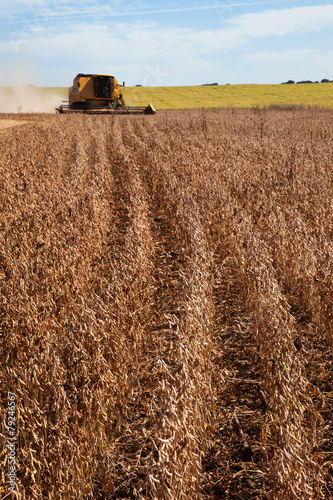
(99, 94)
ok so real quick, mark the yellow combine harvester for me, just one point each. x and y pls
(99, 94)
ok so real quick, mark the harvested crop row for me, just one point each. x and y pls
(56, 301)
(181, 155)
(179, 332)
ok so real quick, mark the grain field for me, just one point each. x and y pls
(166, 305)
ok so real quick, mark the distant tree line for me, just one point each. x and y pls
(324, 80)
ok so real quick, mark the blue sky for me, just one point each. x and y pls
(47, 42)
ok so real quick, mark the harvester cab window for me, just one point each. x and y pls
(103, 86)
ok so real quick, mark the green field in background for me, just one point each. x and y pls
(234, 96)
(219, 96)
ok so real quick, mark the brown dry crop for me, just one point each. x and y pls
(166, 305)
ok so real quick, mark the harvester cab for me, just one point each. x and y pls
(99, 94)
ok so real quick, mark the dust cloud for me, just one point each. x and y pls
(30, 99)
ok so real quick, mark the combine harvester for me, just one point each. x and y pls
(99, 94)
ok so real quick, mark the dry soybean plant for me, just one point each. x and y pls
(166, 305)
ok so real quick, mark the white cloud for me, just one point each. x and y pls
(301, 64)
(161, 41)
(309, 61)
(162, 54)
(122, 40)
(288, 56)
(283, 22)
(92, 9)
